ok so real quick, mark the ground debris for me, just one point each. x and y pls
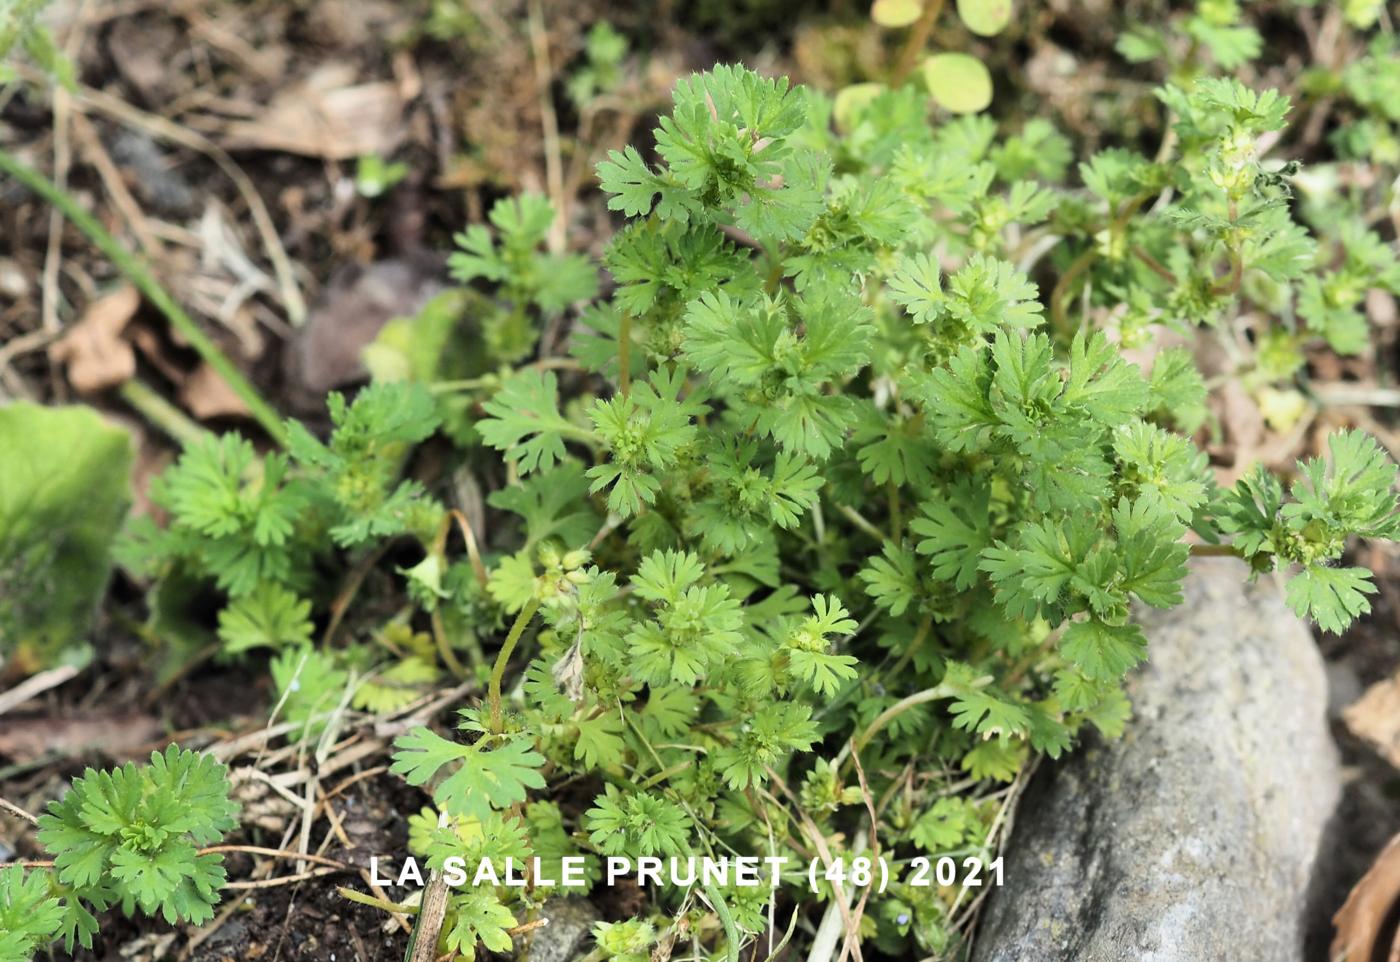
(328, 115)
(115, 735)
(1375, 718)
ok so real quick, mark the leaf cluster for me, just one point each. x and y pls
(128, 837)
(851, 473)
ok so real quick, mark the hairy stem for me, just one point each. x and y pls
(1062, 288)
(137, 272)
(624, 354)
(896, 516)
(498, 671)
(1229, 285)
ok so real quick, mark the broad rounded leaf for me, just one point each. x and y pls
(986, 18)
(958, 82)
(63, 493)
(896, 13)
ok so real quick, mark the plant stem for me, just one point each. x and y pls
(161, 413)
(1032, 657)
(1062, 288)
(624, 354)
(855, 518)
(1215, 551)
(498, 671)
(890, 714)
(920, 636)
(1230, 284)
(137, 272)
(896, 519)
(444, 646)
(372, 902)
(1157, 267)
(916, 41)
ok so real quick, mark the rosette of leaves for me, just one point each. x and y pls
(130, 838)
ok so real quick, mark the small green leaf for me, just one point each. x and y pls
(270, 617)
(1332, 597)
(896, 13)
(1103, 652)
(480, 778)
(958, 82)
(986, 18)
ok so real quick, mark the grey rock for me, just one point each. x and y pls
(1193, 837)
(570, 926)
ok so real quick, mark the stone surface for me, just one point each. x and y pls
(570, 927)
(1192, 838)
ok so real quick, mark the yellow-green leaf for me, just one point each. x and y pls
(851, 101)
(896, 13)
(958, 82)
(986, 18)
(63, 493)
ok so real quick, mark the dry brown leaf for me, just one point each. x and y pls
(96, 354)
(1361, 922)
(1240, 414)
(328, 116)
(13, 283)
(1375, 718)
(117, 735)
(1381, 308)
(352, 310)
(205, 394)
(141, 50)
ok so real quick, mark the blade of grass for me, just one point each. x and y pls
(137, 272)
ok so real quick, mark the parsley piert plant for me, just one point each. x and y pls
(849, 507)
(129, 838)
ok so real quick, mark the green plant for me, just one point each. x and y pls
(254, 526)
(375, 176)
(1226, 241)
(1214, 28)
(63, 493)
(604, 51)
(128, 837)
(30, 918)
(20, 27)
(848, 477)
(526, 277)
(849, 499)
